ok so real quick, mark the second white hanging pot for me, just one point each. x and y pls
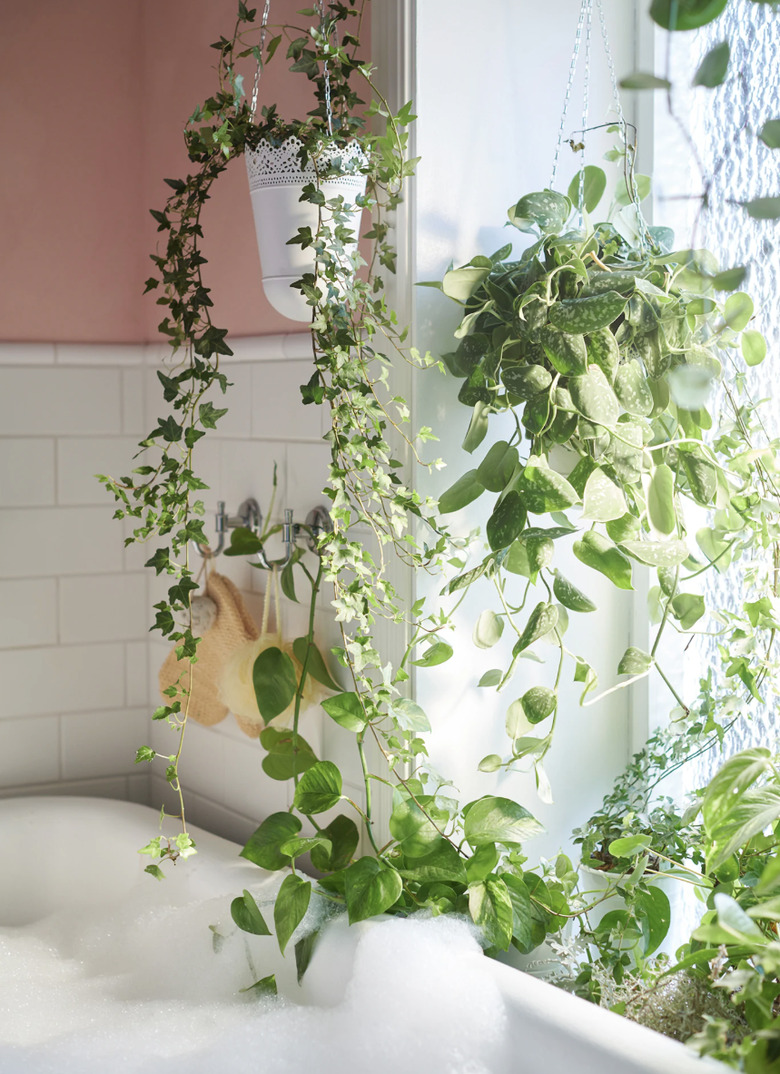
(276, 180)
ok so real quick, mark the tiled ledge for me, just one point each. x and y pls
(246, 349)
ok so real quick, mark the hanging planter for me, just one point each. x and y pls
(277, 177)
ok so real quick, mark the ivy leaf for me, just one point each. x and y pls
(712, 69)
(209, 416)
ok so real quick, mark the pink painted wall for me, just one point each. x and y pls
(103, 92)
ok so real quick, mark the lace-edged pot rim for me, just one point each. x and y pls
(280, 165)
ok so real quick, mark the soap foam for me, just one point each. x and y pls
(144, 988)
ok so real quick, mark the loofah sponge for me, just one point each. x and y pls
(236, 686)
(238, 692)
(231, 628)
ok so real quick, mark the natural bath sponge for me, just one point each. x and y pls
(232, 627)
(237, 689)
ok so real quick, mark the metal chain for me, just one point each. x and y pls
(585, 110)
(259, 68)
(644, 239)
(585, 6)
(326, 74)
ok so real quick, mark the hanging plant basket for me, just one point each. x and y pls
(276, 181)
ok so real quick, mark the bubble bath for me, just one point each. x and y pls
(103, 969)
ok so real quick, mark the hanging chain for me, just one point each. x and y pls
(261, 47)
(630, 150)
(585, 6)
(326, 73)
(585, 110)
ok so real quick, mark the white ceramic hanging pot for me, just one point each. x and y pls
(276, 180)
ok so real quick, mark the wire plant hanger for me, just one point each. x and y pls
(577, 138)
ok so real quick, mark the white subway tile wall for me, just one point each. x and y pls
(78, 667)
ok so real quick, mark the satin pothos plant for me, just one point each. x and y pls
(608, 348)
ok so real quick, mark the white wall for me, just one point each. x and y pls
(73, 613)
(490, 86)
(78, 667)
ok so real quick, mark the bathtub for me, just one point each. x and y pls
(74, 890)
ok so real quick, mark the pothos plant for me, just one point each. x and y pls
(605, 346)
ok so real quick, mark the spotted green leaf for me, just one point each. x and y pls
(506, 522)
(602, 500)
(539, 703)
(542, 489)
(546, 210)
(566, 352)
(570, 596)
(632, 389)
(583, 315)
(594, 398)
(596, 551)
